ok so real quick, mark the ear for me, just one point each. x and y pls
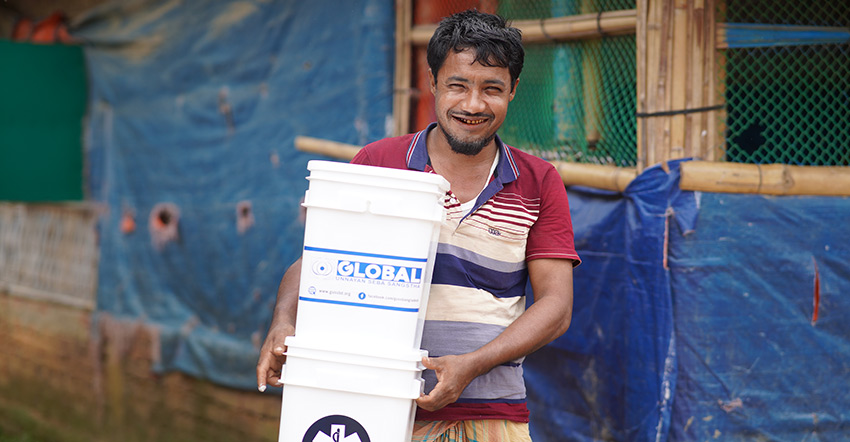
(513, 91)
(432, 82)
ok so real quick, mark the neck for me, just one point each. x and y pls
(467, 174)
(440, 152)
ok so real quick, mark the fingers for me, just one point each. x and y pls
(438, 398)
(444, 392)
(428, 363)
(269, 366)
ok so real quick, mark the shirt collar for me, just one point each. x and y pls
(417, 156)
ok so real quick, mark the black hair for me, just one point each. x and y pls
(494, 41)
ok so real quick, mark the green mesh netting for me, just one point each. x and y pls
(789, 104)
(576, 100)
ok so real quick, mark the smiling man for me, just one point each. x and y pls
(507, 223)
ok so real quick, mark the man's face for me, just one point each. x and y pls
(471, 101)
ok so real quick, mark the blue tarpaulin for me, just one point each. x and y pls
(195, 105)
(612, 375)
(697, 316)
(700, 316)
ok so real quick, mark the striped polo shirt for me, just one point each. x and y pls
(480, 273)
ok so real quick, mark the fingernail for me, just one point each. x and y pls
(279, 382)
(262, 388)
(278, 350)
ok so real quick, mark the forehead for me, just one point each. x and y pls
(463, 64)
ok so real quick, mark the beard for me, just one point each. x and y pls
(470, 148)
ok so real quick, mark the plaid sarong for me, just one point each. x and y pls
(485, 430)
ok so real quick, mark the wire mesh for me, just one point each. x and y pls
(576, 99)
(788, 104)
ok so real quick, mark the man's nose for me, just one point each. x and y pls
(473, 103)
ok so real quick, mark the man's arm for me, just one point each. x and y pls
(283, 325)
(546, 319)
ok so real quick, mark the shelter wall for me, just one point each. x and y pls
(63, 379)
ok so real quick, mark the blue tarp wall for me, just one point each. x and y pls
(694, 313)
(701, 316)
(197, 104)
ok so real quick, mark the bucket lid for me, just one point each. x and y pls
(385, 172)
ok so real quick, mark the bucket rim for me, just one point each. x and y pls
(384, 172)
(413, 355)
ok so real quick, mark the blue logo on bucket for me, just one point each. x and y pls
(336, 428)
(380, 272)
(322, 267)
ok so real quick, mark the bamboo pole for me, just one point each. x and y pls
(717, 88)
(665, 98)
(650, 77)
(333, 149)
(680, 73)
(558, 28)
(640, 76)
(676, 81)
(591, 175)
(595, 175)
(767, 179)
(705, 176)
(695, 124)
(592, 97)
(402, 74)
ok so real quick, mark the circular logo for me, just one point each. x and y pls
(322, 267)
(362, 296)
(336, 428)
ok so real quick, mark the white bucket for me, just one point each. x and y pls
(369, 246)
(331, 396)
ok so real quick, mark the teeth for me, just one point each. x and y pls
(471, 121)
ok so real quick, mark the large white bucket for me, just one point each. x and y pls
(331, 396)
(369, 246)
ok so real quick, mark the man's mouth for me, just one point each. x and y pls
(469, 121)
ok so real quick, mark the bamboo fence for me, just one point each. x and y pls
(676, 81)
(49, 252)
(573, 27)
(680, 82)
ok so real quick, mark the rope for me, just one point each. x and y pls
(679, 112)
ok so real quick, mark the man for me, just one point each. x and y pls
(507, 222)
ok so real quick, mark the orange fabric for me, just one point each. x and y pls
(52, 29)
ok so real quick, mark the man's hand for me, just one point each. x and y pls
(272, 357)
(546, 319)
(283, 324)
(454, 373)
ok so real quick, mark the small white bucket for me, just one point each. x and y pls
(348, 397)
(369, 245)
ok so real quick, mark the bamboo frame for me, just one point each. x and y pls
(333, 149)
(591, 175)
(594, 175)
(592, 97)
(717, 89)
(676, 81)
(641, 98)
(706, 176)
(766, 179)
(403, 60)
(557, 29)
